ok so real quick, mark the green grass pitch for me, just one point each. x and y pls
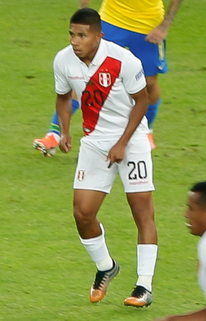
(45, 273)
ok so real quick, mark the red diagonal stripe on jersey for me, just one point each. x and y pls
(97, 91)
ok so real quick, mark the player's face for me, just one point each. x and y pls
(195, 215)
(84, 41)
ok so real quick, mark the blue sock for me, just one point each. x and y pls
(54, 126)
(152, 112)
(75, 106)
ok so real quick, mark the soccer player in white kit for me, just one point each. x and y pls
(110, 83)
(196, 222)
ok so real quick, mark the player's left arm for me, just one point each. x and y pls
(117, 152)
(158, 34)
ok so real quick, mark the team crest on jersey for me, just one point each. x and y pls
(81, 175)
(105, 79)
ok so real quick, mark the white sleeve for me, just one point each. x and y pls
(62, 85)
(202, 263)
(132, 74)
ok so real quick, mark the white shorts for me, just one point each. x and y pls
(135, 170)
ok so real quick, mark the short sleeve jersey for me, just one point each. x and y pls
(202, 264)
(135, 15)
(103, 87)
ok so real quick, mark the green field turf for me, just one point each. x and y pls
(45, 273)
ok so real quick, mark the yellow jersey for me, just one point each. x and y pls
(135, 15)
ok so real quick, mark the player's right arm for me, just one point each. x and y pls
(63, 90)
(64, 112)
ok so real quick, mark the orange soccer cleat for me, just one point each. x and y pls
(151, 140)
(101, 283)
(140, 297)
(47, 145)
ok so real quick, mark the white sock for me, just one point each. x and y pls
(146, 261)
(145, 281)
(105, 264)
(98, 251)
(56, 136)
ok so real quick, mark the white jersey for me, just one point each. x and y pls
(202, 263)
(102, 88)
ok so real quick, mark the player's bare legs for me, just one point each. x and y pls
(153, 89)
(143, 212)
(154, 102)
(91, 231)
(86, 206)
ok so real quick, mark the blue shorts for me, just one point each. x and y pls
(152, 56)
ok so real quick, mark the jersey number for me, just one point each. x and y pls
(97, 96)
(137, 170)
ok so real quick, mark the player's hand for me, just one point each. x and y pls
(116, 154)
(157, 35)
(65, 143)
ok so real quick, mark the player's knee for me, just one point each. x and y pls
(82, 217)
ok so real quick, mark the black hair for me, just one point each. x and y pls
(200, 188)
(87, 16)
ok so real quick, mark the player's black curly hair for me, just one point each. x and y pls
(87, 16)
(200, 188)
